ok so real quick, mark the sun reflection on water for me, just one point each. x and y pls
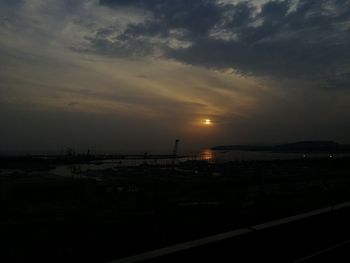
(207, 155)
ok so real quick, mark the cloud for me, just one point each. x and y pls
(303, 39)
(306, 39)
(145, 72)
(195, 16)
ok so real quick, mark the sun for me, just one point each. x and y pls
(207, 122)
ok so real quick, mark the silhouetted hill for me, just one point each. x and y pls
(254, 148)
(296, 147)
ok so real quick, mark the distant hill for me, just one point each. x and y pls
(254, 148)
(296, 147)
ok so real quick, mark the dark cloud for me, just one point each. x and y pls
(196, 16)
(10, 3)
(309, 40)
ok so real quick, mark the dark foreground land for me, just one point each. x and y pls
(103, 215)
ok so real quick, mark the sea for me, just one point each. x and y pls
(205, 154)
(227, 156)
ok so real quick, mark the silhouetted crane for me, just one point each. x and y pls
(176, 145)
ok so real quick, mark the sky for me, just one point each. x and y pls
(134, 75)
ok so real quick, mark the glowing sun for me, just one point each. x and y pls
(207, 122)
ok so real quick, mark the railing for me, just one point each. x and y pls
(231, 234)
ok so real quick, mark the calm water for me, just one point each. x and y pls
(206, 154)
(226, 156)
